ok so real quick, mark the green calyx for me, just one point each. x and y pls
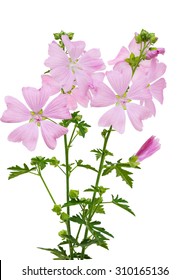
(73, 194)
(57, 209)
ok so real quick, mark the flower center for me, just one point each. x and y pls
(37, 117)
(73, 65)
(123, 100)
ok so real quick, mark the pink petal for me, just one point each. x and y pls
(156, 70)
(90, 61)
(103, 96)
(115, 117)
(64, 76)
(122, 67)
(34, 98)
(57, 56)
(139, 90)
(119, 81)
(50, 132)
(81, 97)
(83, 80)
(71, 102)
(50, 85)
(57, 108)
(134, 47)
(136, 114)
(75, 49)
(27, 134)
(16, 111)
(148, 103)
(122, 55)
(157, 88)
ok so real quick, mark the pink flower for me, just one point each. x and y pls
(154, 53)
(151, 71)
(151, 146)
(37, 117)
(74, 66)
(124, 94)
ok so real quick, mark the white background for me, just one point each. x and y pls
(158, 235)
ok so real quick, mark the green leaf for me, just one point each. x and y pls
(53, 161)
(40, 162)
(77, 219)
(80, 124)
(100, 209)
(82, 128)
(98, 153)
(73, 202)
(124, 174)
(87, 166)
(17, 170)
(108, 170)
(98, 232)
(122, 203)
(60, 254)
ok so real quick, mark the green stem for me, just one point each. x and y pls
(40, 175)
(91, 213)
(79, 230)
(72, 137)
(140, 57)
(67, 191)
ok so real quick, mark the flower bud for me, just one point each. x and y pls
(63, 233)
(57, 209)
(73, 194)
(64, 216)
(151, 146)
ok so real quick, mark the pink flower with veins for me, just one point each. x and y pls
(151, 71)
(36, 118)
(151, 146)
(122, 97)
(73, 66)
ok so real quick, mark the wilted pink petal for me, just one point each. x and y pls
(16, 111)
(50, 132)
(34, 98)
(57, 108)
(119, 81)
(27, 134)
(151, 146)
(115, 117)
(136, 114)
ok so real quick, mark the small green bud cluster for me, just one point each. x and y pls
(146, 37)
(58, 37)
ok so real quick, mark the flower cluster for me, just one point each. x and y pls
(75, 76)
